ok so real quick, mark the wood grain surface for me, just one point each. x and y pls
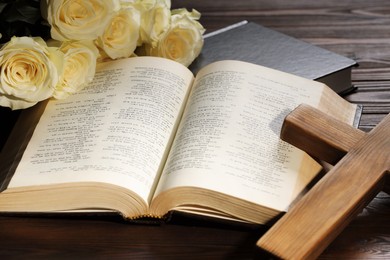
(358, 29)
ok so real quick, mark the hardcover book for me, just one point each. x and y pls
(251, 42)
(147, 137)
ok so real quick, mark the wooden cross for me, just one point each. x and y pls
(317, 218)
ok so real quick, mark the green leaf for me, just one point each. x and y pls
(2, 6)
(22, 10)
(22, 18)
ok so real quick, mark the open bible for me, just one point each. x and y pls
(146, 138)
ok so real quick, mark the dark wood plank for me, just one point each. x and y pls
(359, 29)
(64, 238)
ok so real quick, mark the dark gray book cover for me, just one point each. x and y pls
(251, 42)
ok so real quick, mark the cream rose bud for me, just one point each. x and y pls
(183, 42)
(79, 67)
(120, 38)
(78, 20)
(29, 72)
(155, 19)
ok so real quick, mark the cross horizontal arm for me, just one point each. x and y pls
(318, 134)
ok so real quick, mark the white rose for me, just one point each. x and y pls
(120, 38)
(125, 3)
(78, 20)
(29, 72)
(145, 2)
(183, 42)
(155, 19)
(79, 67)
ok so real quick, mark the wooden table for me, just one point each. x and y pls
(358, 29)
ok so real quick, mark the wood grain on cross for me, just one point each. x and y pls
(363, 162)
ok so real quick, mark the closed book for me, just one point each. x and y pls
(251, 42)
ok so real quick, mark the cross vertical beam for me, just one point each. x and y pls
(316, 219)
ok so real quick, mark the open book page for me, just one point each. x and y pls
(228, 139)
(115, 131)
(337, 107)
